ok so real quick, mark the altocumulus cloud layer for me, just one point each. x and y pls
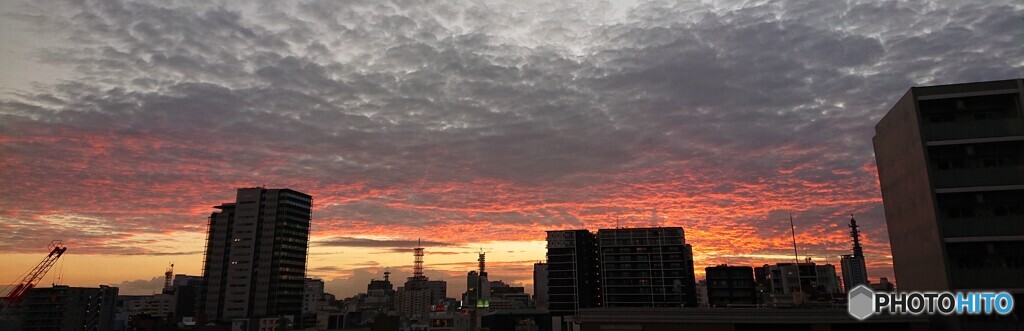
(477, 121)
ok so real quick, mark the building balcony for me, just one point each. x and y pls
(954, 178)
(974, 129)
(982, 226)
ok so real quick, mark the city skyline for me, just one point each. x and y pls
(123, 123)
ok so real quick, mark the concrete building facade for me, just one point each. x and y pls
(951, 168)
(256, 255)
(646, 267)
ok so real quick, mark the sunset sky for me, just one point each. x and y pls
(471, 125)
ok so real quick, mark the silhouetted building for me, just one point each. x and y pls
(855, 271)
(540, 286)
(256, 255)
(951, 167)
(413, 300)
(187, 291)
(380, 295)
(730, 285)
(64, 308)
(646, 267)
(598, 319)
(478, 287)
(505, 296)
(761, 276)
(516, 320)
(572, 271)
(449, 321)
(883, 285)
(812, 281)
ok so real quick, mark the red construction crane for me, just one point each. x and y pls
(33, 277)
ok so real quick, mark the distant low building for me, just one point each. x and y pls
(730, 285)
(64, 308)
(449, 321)
(797, 283)
(187, 291)
(883, 285)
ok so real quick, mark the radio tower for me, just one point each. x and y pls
(483, 261)
(857, 251)
(417, 269)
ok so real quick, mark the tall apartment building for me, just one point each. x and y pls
(730, 285)
(646, 267)
(855, 271)
(572, 272)
(951, 168)
(256, 255)
(65, 308)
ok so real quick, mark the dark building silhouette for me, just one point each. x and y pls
(187, 292)
(256, 255)
(64, 308)
(855, 271)
(730, 285)
(572, 271)
(478, 287)
(646, 267)
(540, 285)
(516, 320)
(951, 168)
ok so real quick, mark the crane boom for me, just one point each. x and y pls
(33, 277)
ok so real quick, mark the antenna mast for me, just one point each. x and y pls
(417, 269)
(792, 228)
(858, 252)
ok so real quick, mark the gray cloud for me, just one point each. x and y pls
(518, 116)
(366, 242)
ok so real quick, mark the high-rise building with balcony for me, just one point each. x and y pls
(951, 168)
(646, 267)
(572, 271)
(256, 255)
